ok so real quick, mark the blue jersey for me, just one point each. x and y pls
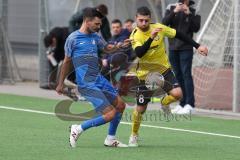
(83, 49)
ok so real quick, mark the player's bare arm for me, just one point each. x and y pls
(65, 70)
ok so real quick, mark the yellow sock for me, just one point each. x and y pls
(136, 121)
(168, 100)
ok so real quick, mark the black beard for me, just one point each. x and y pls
(93, 31)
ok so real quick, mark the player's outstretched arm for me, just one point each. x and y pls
(110, 48)
(65, 70)
(201, 49)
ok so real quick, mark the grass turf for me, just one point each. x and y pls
(32, 136)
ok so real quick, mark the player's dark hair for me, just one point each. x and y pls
(91, 13)
(117, 21)
(144, 11)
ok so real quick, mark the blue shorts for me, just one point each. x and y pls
(100, 93)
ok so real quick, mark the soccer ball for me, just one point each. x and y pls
(154, 80)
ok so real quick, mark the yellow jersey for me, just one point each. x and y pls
(156, 59)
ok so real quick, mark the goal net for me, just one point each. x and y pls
(216, 76)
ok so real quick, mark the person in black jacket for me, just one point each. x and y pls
(75, 21)
(182, 16)
(54, 42)
(105, 27)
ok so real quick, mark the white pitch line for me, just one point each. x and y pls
(26, 110)
(127, 123)
(186, 130)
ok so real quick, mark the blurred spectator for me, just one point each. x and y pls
(77, 19)
(55, 41)
(128, 24)
(119, 58)
(119, 33)
(182, 17)
(105, 27)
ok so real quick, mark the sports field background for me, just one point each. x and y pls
(29, 135)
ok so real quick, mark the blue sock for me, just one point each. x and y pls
(114, 124)
(97, 121)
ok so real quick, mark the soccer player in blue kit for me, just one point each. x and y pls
(81, 49)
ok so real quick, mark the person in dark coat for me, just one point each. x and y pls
(182, 16)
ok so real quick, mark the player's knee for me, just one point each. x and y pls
(121, 106)
(141, 109)
(110, 115)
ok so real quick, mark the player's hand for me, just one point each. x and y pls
(202, 50)
(126, 43)
(178, 8)
(123, 44)
(154, 32)
(118, 45)
(59, 89)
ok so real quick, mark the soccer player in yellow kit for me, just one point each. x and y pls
(148, 44)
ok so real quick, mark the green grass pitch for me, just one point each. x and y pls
(36, 136)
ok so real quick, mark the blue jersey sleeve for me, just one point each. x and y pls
(69, 47)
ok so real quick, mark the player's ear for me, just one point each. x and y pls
(87, 21)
